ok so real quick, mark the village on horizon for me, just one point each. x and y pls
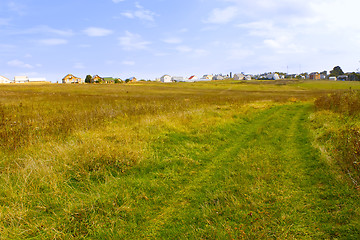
(335, 75)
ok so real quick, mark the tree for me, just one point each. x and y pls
(88, 78)
(337, 71)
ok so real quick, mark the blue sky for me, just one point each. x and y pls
(149, 38)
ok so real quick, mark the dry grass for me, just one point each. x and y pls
(338, 128)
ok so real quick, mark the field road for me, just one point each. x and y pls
(258, 176)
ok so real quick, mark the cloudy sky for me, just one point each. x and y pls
(149, 38)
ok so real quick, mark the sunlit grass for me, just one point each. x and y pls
(152, 160)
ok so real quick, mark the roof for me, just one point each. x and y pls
(192, 77)
(69, 75)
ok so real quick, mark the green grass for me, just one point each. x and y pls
(212, 160)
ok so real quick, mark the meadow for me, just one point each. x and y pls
(206, 160)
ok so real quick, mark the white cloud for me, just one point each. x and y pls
(133, 41)
(222, 16)
(53, 41)
(117, 1)
(46, 30)
(140, 13)
(172, 40)
(97, 32)
(19, 64)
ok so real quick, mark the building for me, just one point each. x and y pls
(315, 76)
(97, 79)
(272, 76)
(333, 78)
(109, 80)
(4, 80)
(178, 79)
(248, 77)
(208, 76)
(68, 79)
(193, 78)
(21, 79)
(218, 77)
(133, 79)
(239, 76)
(166, 78)
(343, 78)
(323, 75)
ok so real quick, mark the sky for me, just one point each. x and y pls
(150, 38)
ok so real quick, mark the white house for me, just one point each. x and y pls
(218, 77)
(165, 79)
(193, 78)
(239, 76)
(21, 79)
(4, 80)
(333, 78)
(273, 76)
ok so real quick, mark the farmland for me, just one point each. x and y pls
(207, 160)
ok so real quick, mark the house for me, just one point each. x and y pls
(208, 76)
(178, 79)
(248, 77)
(97, 79)
(21, 79)
(218, 77)
(4, 80)
(133, 79)
(343, 78)
(315, 76)
(333, 78)
(272, 76)
(239, 76)
(323, 75)
(109, 80)
(71, 79)
(193, 78)
(166, 78)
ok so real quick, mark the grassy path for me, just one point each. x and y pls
(256, 177)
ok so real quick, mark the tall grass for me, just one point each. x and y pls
(341, 129)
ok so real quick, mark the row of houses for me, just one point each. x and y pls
(71, 79)
(208, 77)
(22, 79)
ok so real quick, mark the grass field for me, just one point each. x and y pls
(218, 160)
